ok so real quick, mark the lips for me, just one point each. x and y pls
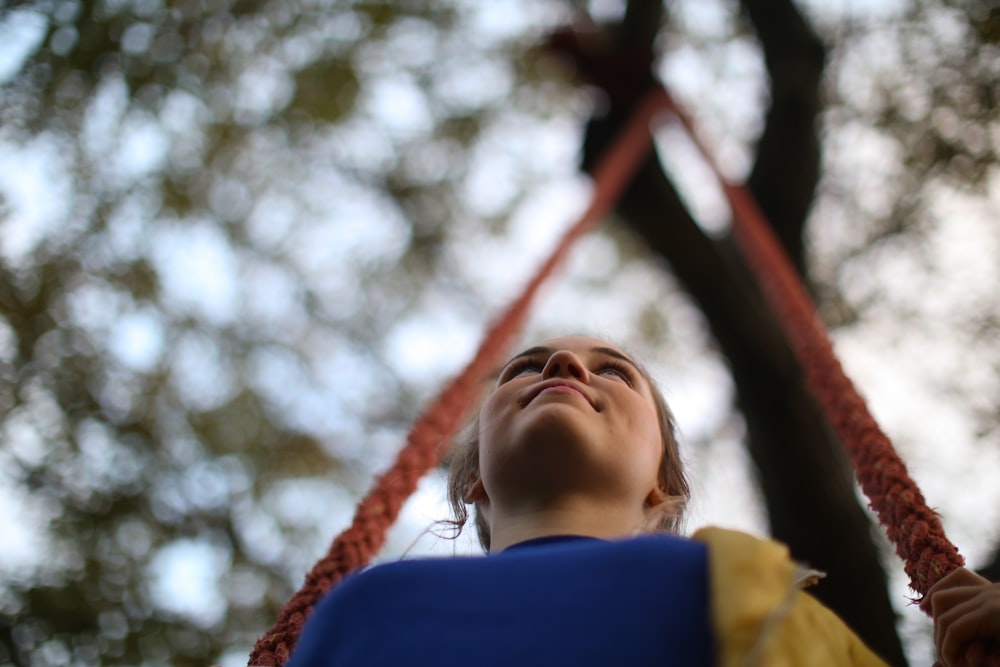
(561, 385)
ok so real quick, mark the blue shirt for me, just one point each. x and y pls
(551, 601)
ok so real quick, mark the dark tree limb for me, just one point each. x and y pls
(806, 481)
(787, 164)
(803, 471)
(992, 569)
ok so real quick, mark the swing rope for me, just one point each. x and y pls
(431, 434)
(912, 526)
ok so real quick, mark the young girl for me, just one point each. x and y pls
(576, 480)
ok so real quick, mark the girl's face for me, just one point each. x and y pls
(573, 415)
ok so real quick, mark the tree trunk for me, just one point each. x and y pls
(803, 471)
(992, 569)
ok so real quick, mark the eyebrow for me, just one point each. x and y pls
(541, 349)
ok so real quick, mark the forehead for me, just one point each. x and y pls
(579, 344)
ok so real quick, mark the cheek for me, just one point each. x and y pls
(495, 430)
(488, 417)
(493, 417)
(648, 441)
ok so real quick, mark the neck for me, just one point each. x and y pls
(569, 517)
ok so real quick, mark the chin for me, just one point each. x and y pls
(556, 431)
(549, 457)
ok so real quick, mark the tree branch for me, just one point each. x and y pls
(992, 569)
(807, 484)
(787, 165)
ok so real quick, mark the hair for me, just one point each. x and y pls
(463, 471)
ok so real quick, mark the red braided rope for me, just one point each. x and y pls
(910, 524)
(431, 433)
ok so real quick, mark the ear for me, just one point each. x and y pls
(656, 497)
(474, 491)
(657, 509)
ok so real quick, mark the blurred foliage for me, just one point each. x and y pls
(245, 203)
(178, 330)
(914, 110)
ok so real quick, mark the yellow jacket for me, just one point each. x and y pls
(761, 615)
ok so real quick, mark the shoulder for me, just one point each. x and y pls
(414, 576)
(761, 613)
(587, 547)
(543, 554)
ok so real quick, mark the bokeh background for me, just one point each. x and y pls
(242, 242)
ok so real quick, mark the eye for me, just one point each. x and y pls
(520, 367)
(615, 368)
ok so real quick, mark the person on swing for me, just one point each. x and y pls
(578, 488)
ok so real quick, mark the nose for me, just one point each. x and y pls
(565, 364)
